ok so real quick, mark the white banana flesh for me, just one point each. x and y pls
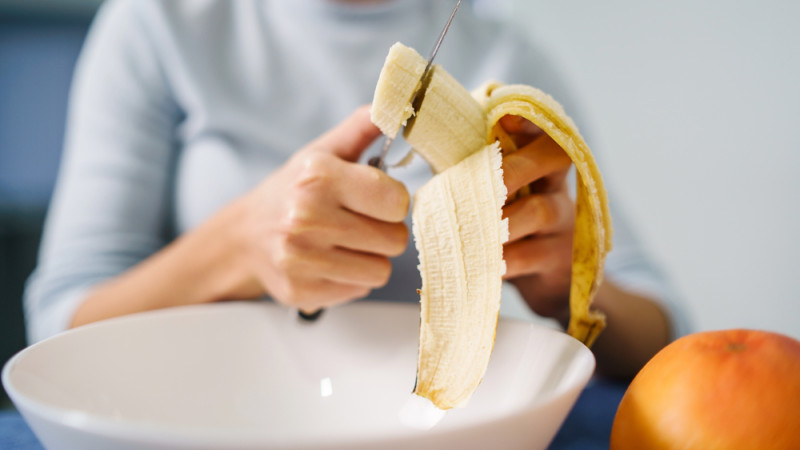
(449, 124)
(459, 233)
(457, 216)
(400, 78)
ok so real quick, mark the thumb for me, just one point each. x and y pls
(351, 137)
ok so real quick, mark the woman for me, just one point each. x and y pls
(212, 153)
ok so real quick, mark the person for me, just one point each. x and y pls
(214, 151)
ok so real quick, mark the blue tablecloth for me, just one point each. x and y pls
(587, 427)
(15, 433)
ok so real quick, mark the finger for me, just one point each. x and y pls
(355, 268)
(554, 182)
(320, 293)
(368, 191)
(539, 213)
(351, 137)
(538, 159)
(326, 225)
(540, 254)
(322, 277)
(304, 264)
(364, 234)
(310, 277)
(519, 125)
(338, 265)
(520, 130)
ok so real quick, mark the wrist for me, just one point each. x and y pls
(203, 265)
(225, 263)
(545, 301)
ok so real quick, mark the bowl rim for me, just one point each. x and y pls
(94, 424)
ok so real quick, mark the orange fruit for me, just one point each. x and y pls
(717, 389)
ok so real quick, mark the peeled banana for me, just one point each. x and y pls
(399, 89)
(457, 216)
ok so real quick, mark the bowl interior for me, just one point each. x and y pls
(253, 369)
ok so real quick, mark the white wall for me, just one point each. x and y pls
(695, 107)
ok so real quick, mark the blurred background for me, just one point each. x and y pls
(39, 42)
(694, 107)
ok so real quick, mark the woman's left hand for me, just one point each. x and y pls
(539, 251)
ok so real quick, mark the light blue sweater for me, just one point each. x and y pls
(179, 106)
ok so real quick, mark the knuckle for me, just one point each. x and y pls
(546, 213)
(295, 222)
(313, 172)
(513, 172)
(539, 211)
(301, 224)
(286, 260)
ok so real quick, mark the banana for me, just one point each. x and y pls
(457, 216)
(450, 127)
(403, 71)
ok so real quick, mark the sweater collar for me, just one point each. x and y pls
(352, 13)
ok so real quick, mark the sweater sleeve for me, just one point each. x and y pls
(111, 205)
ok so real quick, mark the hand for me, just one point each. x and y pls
(321, 229)
(539, 251)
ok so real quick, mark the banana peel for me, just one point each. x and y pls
(593, 228)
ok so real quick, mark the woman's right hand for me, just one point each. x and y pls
(316, 232)
(321, 229)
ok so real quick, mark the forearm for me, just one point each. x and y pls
(636, 326)
(636, 329)
(201, 266)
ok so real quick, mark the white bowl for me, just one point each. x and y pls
(251, 375)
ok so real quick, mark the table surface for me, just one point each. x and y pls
(587, 427)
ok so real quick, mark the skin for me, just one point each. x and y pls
(320, 231)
